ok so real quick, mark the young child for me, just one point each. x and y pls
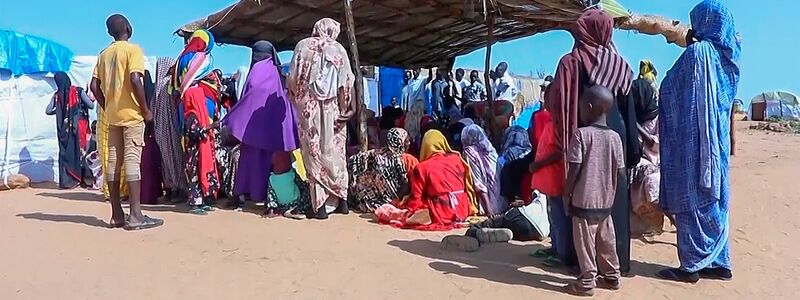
(92, 159)
(595, 161)
(288, 193)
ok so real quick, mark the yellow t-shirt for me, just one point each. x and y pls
(114, 66)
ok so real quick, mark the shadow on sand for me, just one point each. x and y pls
(496, 262)
(75, 219)
(502, 263)
(75, 196)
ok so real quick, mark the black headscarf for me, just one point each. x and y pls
(63, 83)
(263, 50)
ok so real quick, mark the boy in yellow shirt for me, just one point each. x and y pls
(117, 84)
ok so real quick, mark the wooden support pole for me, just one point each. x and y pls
(487, 68)
(359, 84)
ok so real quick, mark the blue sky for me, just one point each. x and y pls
(770, 41)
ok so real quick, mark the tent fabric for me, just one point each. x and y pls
(782, 104)
(25, 54)
(28, 141)
(783, 96)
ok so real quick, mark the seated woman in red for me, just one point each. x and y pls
(442, 194)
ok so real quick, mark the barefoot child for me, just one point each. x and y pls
(595, 158)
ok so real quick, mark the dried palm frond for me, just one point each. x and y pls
(672, 30)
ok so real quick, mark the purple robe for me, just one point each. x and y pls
(264, 121)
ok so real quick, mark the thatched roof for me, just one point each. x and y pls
(391, 32)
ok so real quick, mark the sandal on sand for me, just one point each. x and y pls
(290, 215)
(198, 210)
(207, 207)
(542, 253)
(460, 243)
(147, 223)
(679, 275)
(494, 235)
(553, 262)
(575, 290)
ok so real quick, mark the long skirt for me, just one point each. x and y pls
(168, 136)
(151, 172)
(323, 147)
(703, 238)
(561, 232)
(102, 147)
(252, 174)
(621, 215)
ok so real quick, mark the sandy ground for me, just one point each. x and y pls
(55, 245)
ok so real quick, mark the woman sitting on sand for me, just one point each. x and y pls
(482, 158)
(379, 176)
(442, 196)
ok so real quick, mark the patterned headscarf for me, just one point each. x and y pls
(516, 144)
(396, 140)
(320, 66)
(700, 89)
(194, 62)
(482, 158)
(647, 71)
(594, 54)
(474, 136)
(327, 28)
(597, 54)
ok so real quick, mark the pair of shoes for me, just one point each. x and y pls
(147, 223)
(460, 243)
(321, 214)
(608, 283)
(717, 273)
(576, 290)
(679, 275)
(494, 235)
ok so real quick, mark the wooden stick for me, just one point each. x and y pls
(359, 85)
(486, 77)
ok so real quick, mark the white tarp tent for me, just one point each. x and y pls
(781, 104)
(28, 142)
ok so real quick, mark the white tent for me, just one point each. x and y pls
(28, 142)
(781, 104)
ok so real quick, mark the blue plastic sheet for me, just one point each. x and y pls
(525, 116)
(24, 54)
(391, 85)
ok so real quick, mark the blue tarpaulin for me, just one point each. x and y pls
(391, 85)
(24, 54)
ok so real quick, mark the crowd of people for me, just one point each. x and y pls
(584, 169)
